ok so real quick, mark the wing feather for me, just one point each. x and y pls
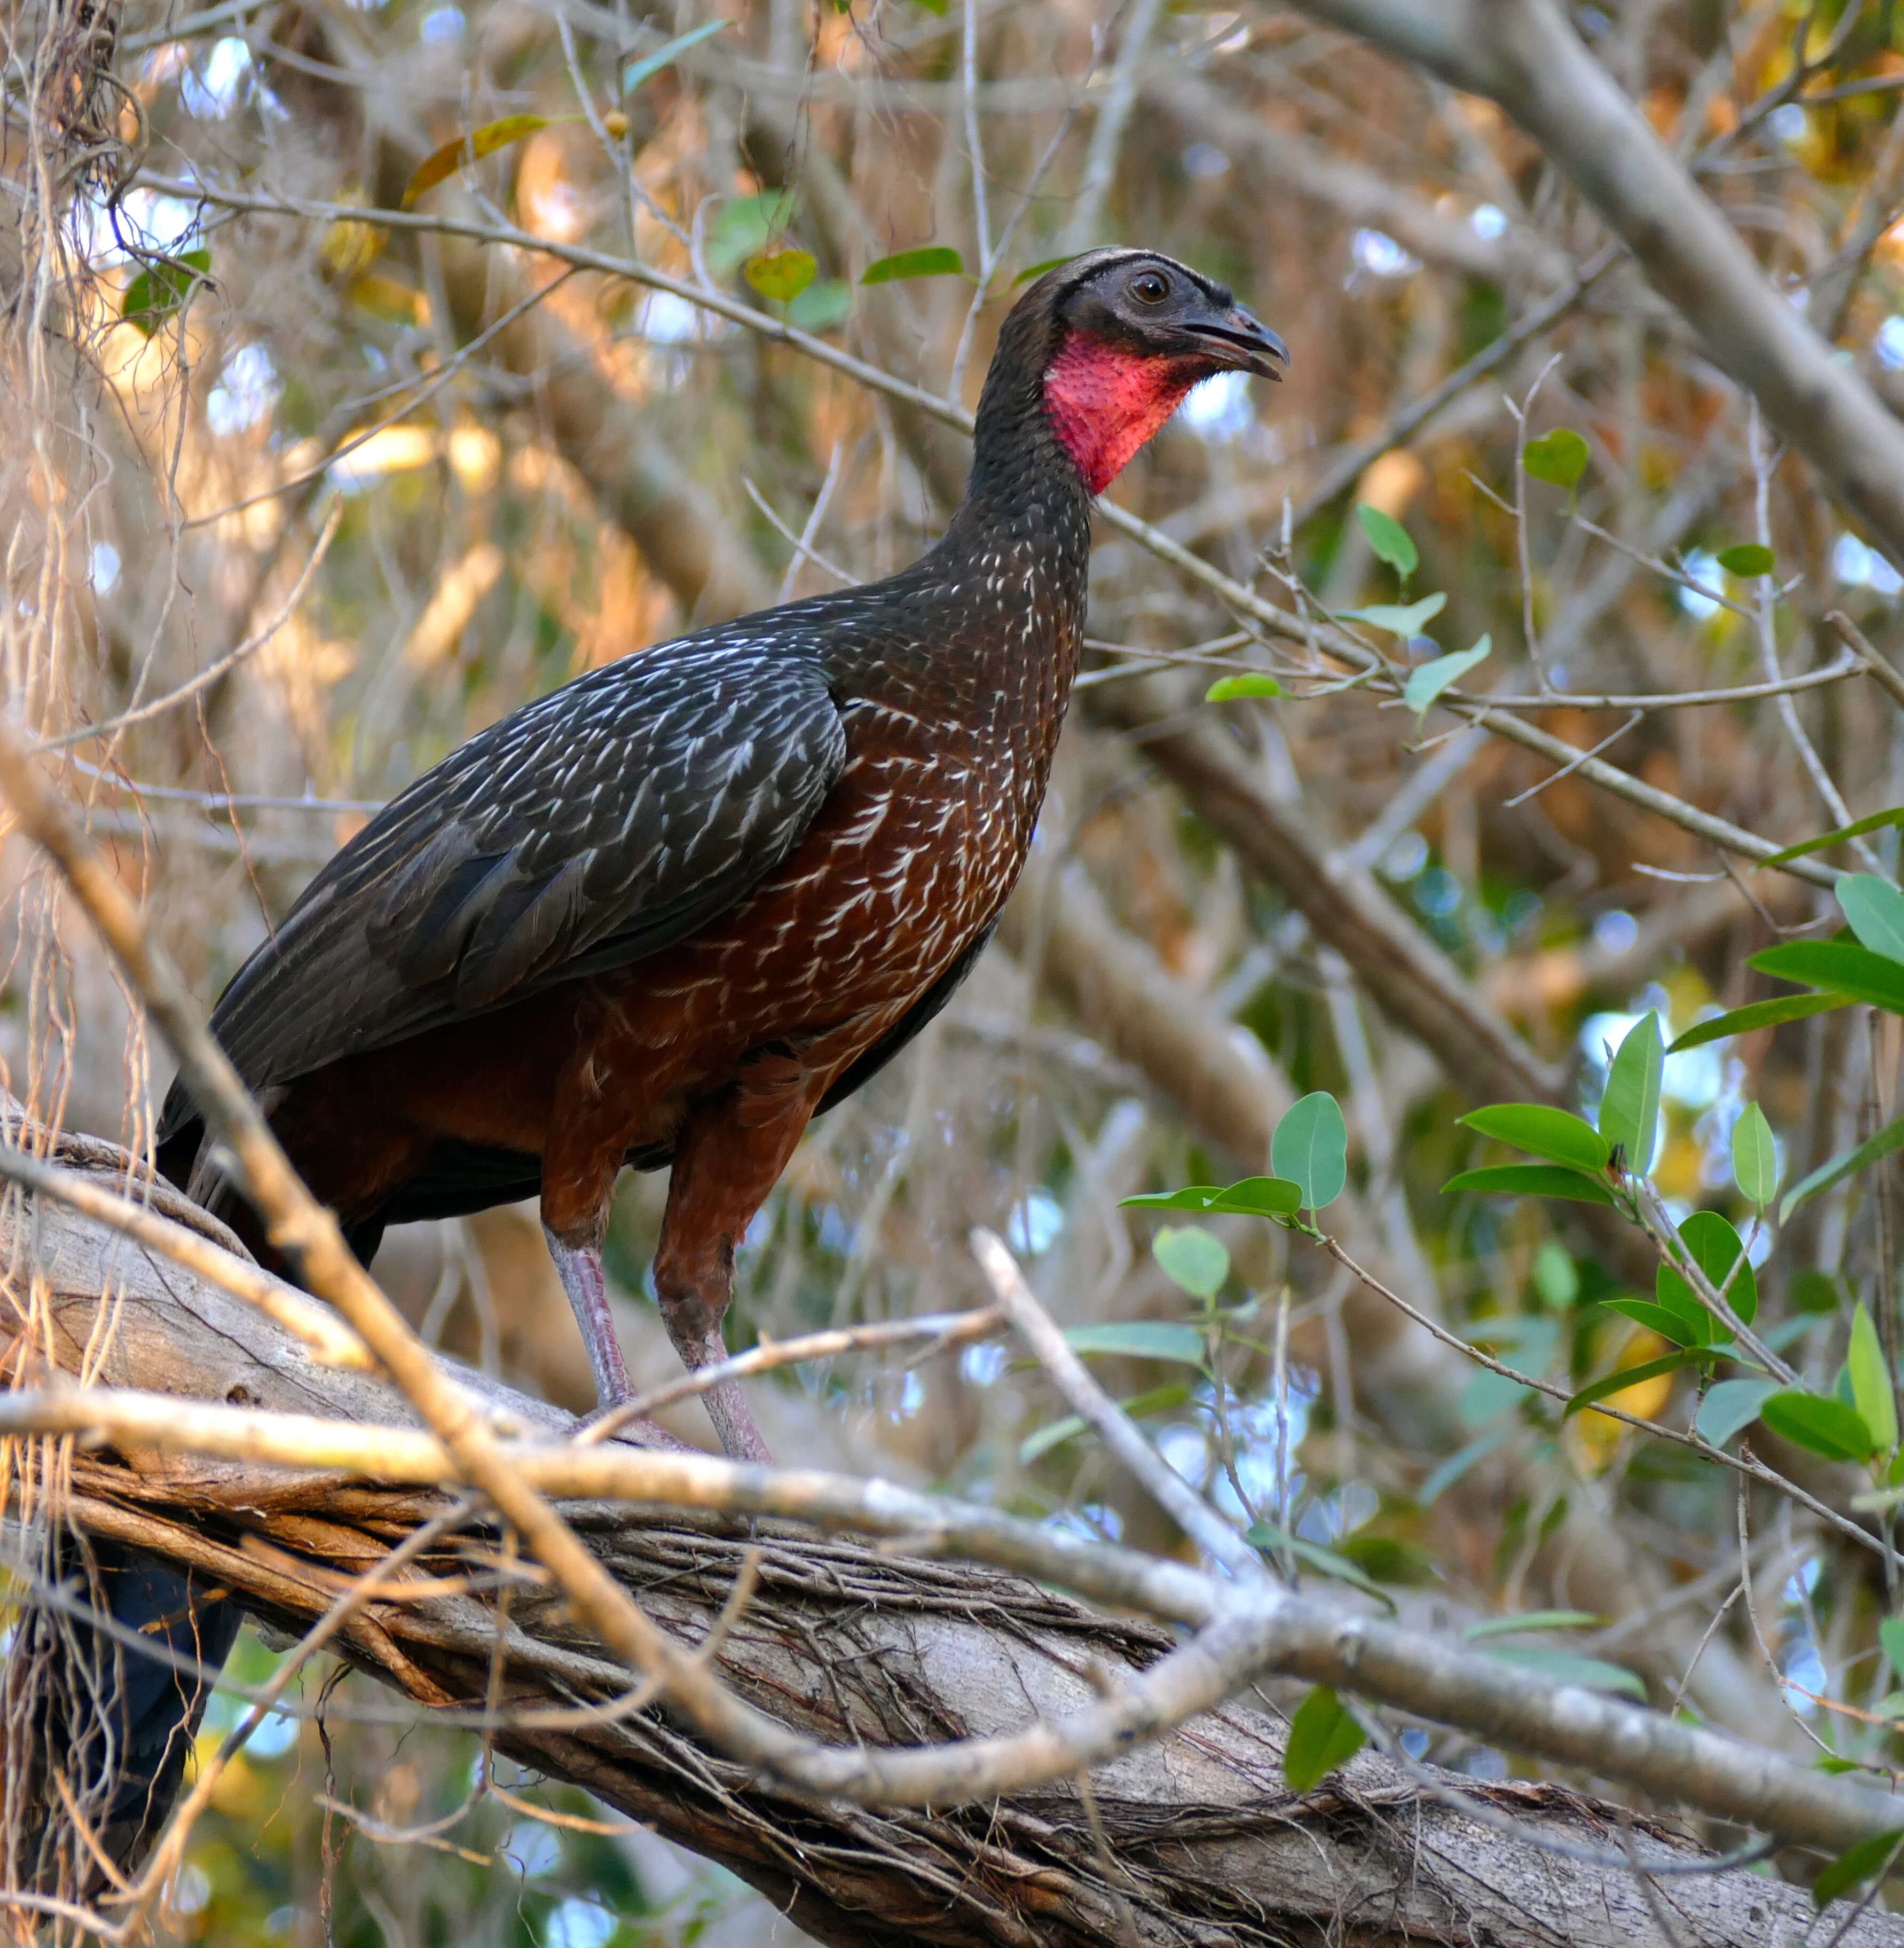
(596, 825)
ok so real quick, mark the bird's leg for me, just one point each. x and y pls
(579, 1267)
(728, 1156)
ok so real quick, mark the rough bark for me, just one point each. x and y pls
(1195, 1838)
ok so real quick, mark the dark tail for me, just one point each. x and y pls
(117, 1711)
(114, 1713)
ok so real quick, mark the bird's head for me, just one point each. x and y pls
(1125, 335)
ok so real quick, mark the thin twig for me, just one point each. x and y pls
(1165, 1487)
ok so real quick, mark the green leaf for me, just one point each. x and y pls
(1038, 270)
(1891, 1635)
(1165, 1399)
(1391, 542)
(1816, 1293)
(649, 66)
(1715, 1249)
(1819, 1425)
(1668, 1321)
(1872, 1392)
(821, 306)
(1053, 1434)
(1388, 1559)
(443, 163)
(1227, 689)
(1759, 1015)
(1427, 682)
(1857, 1863)
(1569, 1667)
(1610, 1383)
(1529, 1180)
(1191, 1197)
(936, 260)
(1556, 1277)
(1629, 1110)
(1745, 559)
(1310, 1148)
(1139, 1339)
(1323, 1735)
(1534, 1619)
(1190, 1257)
(1250, 1196)
(1755, 1157)
(1262, 1197)
(745, 226)
(1875, 822)
(1559, 457)
(781, 275)
(1399, 621)
(1875, 909)
(1890, 1137)
(1730, 1405)
(1265, 1535)
(163, 288)
(1555, 1134)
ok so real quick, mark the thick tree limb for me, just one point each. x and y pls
(843, 1639)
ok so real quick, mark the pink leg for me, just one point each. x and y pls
(580, 1268)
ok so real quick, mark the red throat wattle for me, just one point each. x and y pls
(1105, 400)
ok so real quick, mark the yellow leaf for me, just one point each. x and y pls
(443, 163)
(781, 275)
(350, 247)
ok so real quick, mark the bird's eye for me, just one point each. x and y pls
(1150, 287)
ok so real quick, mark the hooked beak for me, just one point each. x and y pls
(1242, 343)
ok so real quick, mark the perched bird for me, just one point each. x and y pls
(669, 913)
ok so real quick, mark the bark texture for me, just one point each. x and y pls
(1195, 1839)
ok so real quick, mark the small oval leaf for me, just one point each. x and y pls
(1190, 1257)
(163, 287)
(1140, 1339)
(1227, 689)
(1310, 1148)
(1745, 559)
(1398, 620)
(1559, 457)
(1755, 1157)
(1425, 683)
(936, 260)
(1324, 1735)
(782, 275)
(1730, 1405)
(1819, 1425)
(1876, 910)
(1529, 1180)
(1262, 1197)
(1555, 1134)
(1391, 542)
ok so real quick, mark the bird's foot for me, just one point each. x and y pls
(726, 1405)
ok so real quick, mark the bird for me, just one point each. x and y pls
(668, 913)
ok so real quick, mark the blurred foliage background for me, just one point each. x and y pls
(380, 484)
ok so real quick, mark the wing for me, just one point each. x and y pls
(594, 826)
